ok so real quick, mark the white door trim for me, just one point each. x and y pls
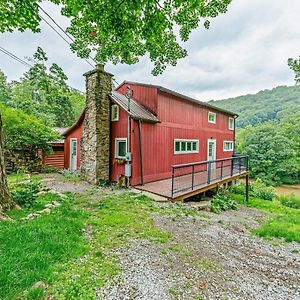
(214, 150)
(71, 155)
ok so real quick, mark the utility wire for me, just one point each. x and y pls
(61, 36)
(16, 58)
(69, 36)
(66, 33)
(8, 53)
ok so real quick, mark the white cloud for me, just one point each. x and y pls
(244, 51)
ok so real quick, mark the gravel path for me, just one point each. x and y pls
(208, 257)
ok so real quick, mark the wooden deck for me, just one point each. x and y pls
(183, 184)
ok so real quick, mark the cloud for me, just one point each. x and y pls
(244, 51)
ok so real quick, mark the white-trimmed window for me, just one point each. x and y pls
(228, 146)
(120, 148)
(212, 117)
(231, 123)
(186, 146)
(115, 112)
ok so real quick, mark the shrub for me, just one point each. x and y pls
(26, 194)
(222, 201)
(257, 189)
(24, 198)
(290, 200)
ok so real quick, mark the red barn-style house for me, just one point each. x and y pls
(158, 139)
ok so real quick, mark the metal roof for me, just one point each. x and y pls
(137, 111)
(168, 91)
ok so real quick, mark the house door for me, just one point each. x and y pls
(211, 152)
(73, 154)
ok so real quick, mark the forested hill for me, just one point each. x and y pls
(264, 106)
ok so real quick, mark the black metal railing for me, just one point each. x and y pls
(188, 177)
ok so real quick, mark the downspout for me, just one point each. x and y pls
(141, 152)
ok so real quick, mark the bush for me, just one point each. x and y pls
(26, 194)
(222, 201)
(290, 200)
(257, 189)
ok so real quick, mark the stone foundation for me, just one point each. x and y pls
(95, 143)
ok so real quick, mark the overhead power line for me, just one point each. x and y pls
(16, 58)
(52, 27)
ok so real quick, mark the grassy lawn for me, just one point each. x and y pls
(70, 249)
(284, 221)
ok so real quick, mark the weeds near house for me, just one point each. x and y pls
(257, 189)
(222, 201)
(25, 194)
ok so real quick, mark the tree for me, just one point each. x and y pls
(5, 91)
(118, 30)
(273, 151)
(294, 65)
(44, 93)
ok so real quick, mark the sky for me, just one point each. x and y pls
(244, 51)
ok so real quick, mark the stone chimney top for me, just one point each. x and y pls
(100, 67)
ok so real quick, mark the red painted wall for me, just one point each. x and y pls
(147, 96)
(179, 119)
(75, 133)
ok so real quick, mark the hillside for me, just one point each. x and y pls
(264, 106)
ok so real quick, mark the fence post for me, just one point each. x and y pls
(240, 165)
(172, 182)
(193, 173)
(232, 162)
(208, 172)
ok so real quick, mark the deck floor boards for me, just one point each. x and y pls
(183, 184)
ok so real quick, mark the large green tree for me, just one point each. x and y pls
(119, 31)
(44, 93)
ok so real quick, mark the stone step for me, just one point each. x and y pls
(200, 205)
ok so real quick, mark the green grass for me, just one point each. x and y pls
(284, 222)
(31, 249)
(113, 221)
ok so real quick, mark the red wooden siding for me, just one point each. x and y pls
(180, 119)
(145, 95)
(56, 158)
(75, 133)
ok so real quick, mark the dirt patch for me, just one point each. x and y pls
(288, 189)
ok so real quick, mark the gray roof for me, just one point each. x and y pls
(137, 111)
(184, 97)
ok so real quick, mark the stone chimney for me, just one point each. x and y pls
(95, 143)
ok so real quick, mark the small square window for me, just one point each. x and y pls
(120, 148)
(228, 146)
(231, 123)
(177, 146)
(212, 117)
(115, 112)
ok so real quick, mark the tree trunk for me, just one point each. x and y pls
(6, 201)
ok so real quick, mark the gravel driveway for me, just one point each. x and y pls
(208, 257)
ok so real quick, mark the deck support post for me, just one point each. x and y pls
(208, 172)
(172, 192)
(193, 173)
(247, 187)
